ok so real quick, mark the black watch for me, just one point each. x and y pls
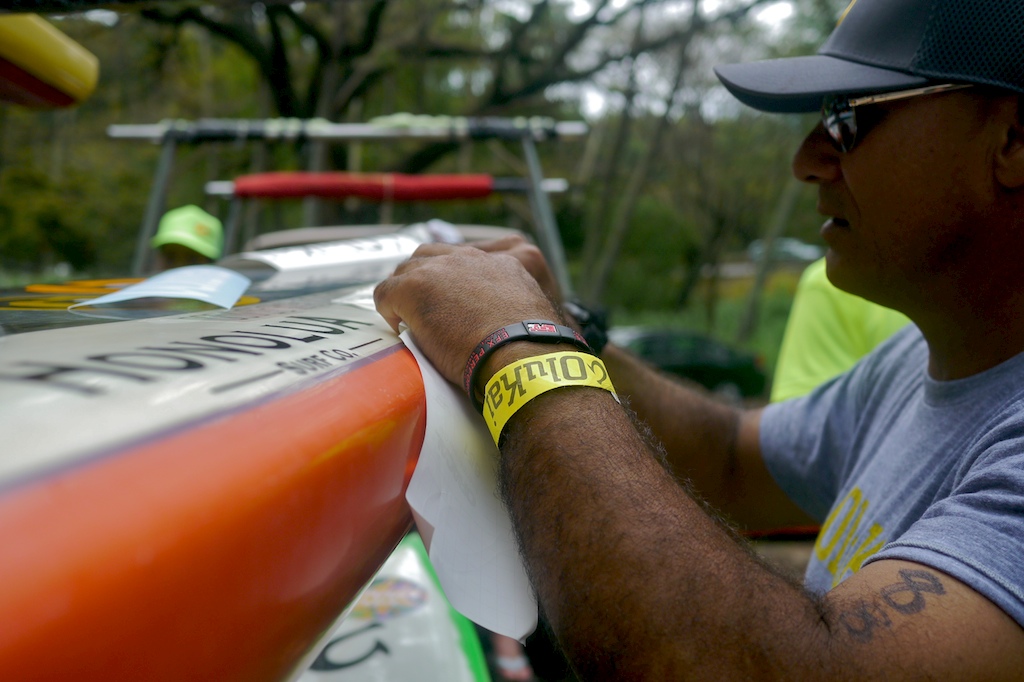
(593, 323)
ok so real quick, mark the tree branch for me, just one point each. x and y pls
(279, 73)
(371, 30)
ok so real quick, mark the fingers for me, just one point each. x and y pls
(424, 251)
(453, 296)
(531, 257)
(506, 243)
(384, 293)
(385, 302)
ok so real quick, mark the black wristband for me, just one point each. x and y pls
(542, 331)
(592, 321)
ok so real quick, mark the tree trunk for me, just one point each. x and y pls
(638, 178)
(598, 219)
(331, 79)
(776, 226)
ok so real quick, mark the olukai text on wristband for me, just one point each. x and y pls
(516, 384)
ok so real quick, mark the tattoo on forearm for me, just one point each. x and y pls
(861, 620)
(907, 597)
(915, 584)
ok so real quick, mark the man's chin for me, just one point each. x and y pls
(854, 278)
(844, 275)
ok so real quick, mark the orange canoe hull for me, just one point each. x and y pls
(222, 551)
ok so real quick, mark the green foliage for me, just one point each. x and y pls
(728, 311)
(650, 267)
(80, 218)
(714, 189)
(67, 193)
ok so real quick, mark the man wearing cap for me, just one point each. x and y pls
(913, 462)
(187, 236)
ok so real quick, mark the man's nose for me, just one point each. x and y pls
(817, 159)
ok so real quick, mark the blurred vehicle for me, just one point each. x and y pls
(727, 371)
(786, 249)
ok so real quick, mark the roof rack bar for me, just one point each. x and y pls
(548, 237)
(527, 131)
(436, 128)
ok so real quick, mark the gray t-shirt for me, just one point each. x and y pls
(898, 466)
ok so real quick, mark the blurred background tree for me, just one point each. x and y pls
(674, 180)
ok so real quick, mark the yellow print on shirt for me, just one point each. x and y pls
(844, 544)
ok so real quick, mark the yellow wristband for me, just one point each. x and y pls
(517, 384)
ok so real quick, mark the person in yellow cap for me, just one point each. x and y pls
(187, 236)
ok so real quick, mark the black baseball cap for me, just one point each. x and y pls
(883, 45)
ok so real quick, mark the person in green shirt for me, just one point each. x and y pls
(828, 331)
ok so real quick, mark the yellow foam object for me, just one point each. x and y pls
(40, 49)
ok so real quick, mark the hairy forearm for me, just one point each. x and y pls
(709, 445)
(679, 416)
(637, 580)
(699, 435)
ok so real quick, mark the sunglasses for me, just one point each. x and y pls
(839, 116)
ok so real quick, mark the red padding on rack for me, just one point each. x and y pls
(377, 186)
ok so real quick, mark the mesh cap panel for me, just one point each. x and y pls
(884, 45)
(957, 46)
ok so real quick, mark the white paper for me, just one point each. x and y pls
(454, 497)
(207, 283)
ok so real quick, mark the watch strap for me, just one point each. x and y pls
(540, 331)
(592, 321)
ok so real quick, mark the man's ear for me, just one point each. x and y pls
(1009, 161)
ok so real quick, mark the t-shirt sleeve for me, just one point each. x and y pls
(976, 534)
(807, 443)
(803, 443)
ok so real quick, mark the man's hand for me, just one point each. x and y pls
(451, 297)
(532, 259)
